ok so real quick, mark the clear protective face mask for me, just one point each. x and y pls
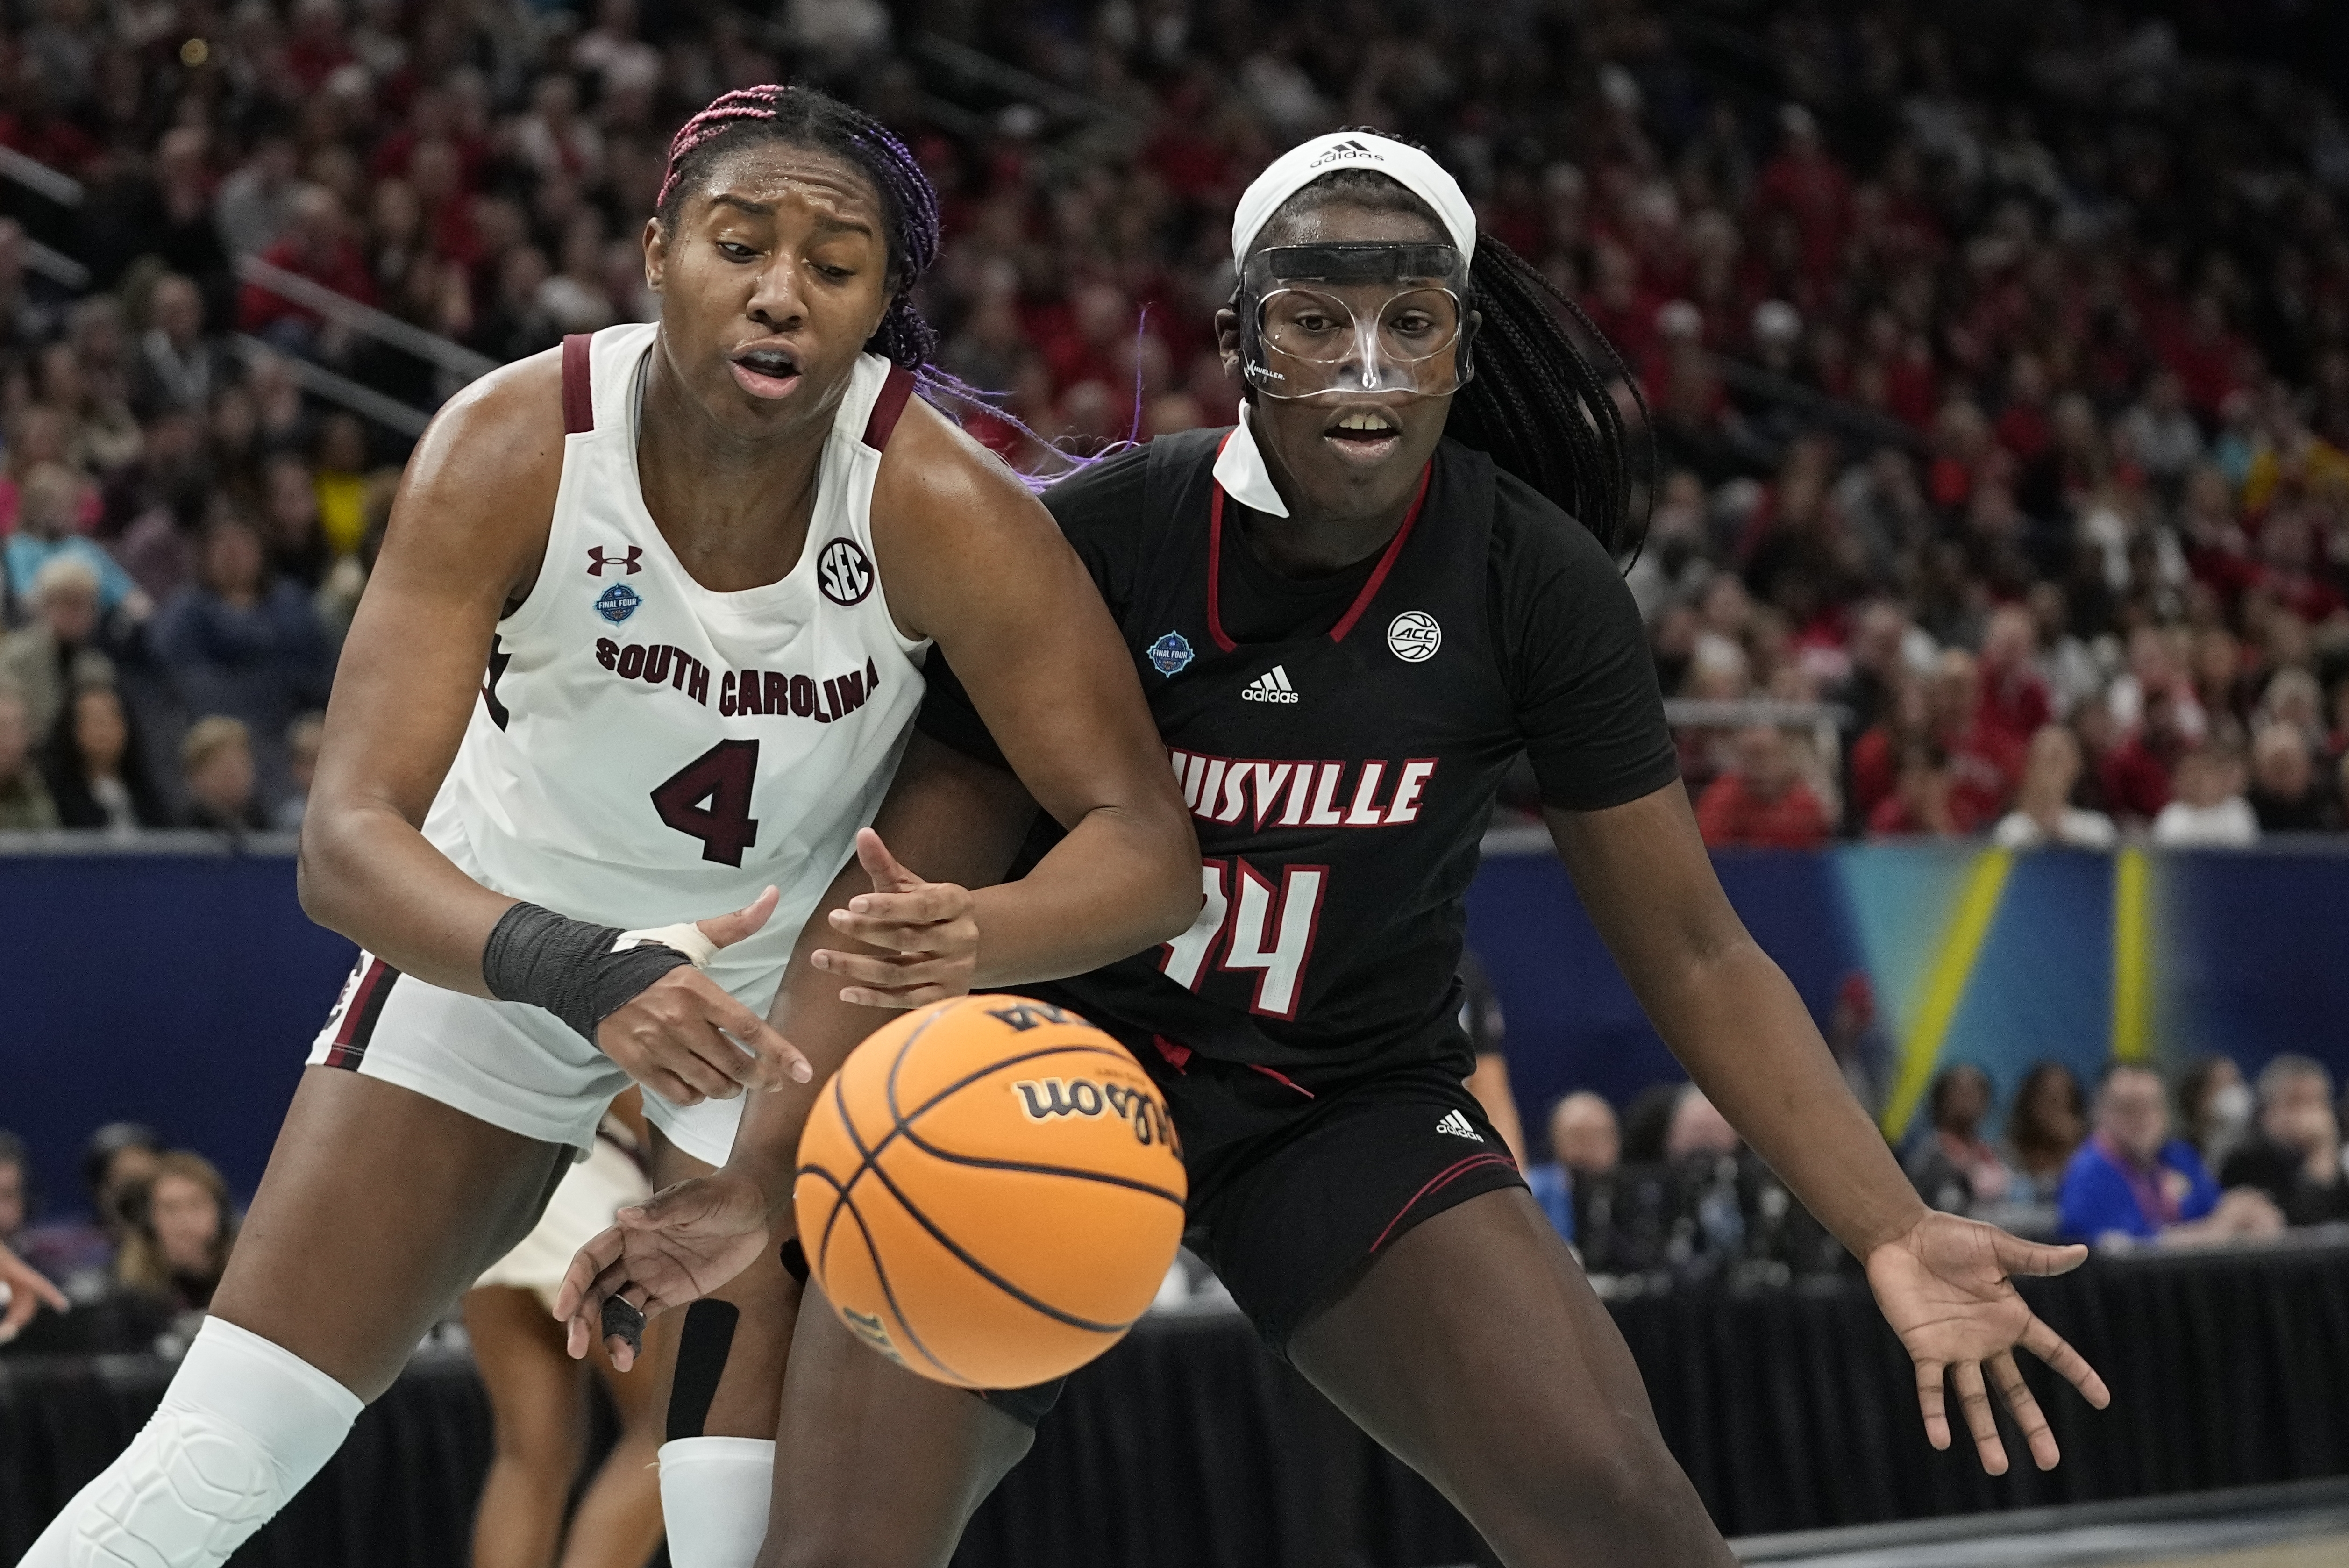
(1354, 318)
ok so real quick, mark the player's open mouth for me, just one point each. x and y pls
(767, 373)
(1364, 436)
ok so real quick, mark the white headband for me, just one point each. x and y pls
(1298, 166)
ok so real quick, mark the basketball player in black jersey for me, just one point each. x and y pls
(1347, 626)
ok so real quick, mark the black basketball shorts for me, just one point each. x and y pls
(1299, 1182)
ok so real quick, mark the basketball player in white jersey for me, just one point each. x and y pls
(645, 645)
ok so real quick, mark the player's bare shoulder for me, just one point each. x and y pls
(943, 506)
(482, 481)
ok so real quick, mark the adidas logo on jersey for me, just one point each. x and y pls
(1272, 686)
(1457, 1125)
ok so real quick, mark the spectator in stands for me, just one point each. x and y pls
(2286, 795)
(51, 506)
(179, 369)
(218, 774)
(2214, 1109)
(59, 650)
(2131, 1181)
(25, 803)
(1922, 801)
(1698, 1128)
(1763, 802)
(1584, 1143)
(180, 1228)
(2294, 1157)
(93, 768)
(2210, 811)
(79, 1253)
(2045, 1127)
(2043, 813)
(318, 246)
(303, 739)
(256, 202)
(240, 641)
(1952, 1166)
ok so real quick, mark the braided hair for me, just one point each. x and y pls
(1539, 403)
(807, 117)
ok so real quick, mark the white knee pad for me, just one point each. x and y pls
(243, 1427)
(714, 1494)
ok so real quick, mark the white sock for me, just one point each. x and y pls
(714, 1494)
(243, 1427)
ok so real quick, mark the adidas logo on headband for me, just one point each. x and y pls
(1415, 170)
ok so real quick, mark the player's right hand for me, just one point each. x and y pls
(687, 1040)
(28, 1292)
(676, 1247)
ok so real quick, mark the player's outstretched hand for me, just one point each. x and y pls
(676, 1247)
(1946, 1288)
(684, 1039)
(28, 1292)
(928, 931)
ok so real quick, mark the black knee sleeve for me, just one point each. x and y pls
(701, 1351)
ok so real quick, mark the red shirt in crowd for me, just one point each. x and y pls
(343, 269)
(2135, 781)
(1729, 813)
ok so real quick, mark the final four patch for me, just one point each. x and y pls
(619, 602)
(1170, 653)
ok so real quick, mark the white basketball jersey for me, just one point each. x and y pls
(646, 751)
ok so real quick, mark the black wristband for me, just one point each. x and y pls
(568, 966)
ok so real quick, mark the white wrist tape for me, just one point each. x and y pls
(688, 940)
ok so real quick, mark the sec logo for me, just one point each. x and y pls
(1413, 637)
(844, 573)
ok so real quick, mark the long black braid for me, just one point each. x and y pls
(1539, 403)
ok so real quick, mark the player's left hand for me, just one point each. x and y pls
(676, 1247)
(28, 1293)
(928, 931)
(1945, 1287)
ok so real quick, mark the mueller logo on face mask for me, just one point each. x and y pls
(1052, 1099)
(630, 563)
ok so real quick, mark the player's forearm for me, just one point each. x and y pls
(367, 872)
(1739, 1029)
(1117, 884)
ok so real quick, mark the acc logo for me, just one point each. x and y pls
(629, 564)
(1048, 1099)
(619, 602)
(1169, 653)
(844, 573)
(1413, 637)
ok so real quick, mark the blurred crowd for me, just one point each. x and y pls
(140, 1263)
(2135, 1160)
(1999, 371)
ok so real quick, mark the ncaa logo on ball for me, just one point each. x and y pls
(844, 573)
(1413, 637)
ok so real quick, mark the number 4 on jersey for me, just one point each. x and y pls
(721, 776)
(1261, 929)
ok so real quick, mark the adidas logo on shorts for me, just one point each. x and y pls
(1272, 686)
(1457, 1125)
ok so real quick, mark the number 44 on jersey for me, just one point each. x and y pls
(1254, 926)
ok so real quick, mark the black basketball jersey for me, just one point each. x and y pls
(1340, 742)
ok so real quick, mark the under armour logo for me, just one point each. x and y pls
(597, 560)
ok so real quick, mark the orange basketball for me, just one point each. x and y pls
(989, 1191)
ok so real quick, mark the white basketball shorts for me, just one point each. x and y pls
(506, 1062)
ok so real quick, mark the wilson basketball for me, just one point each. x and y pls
(989, 1191)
